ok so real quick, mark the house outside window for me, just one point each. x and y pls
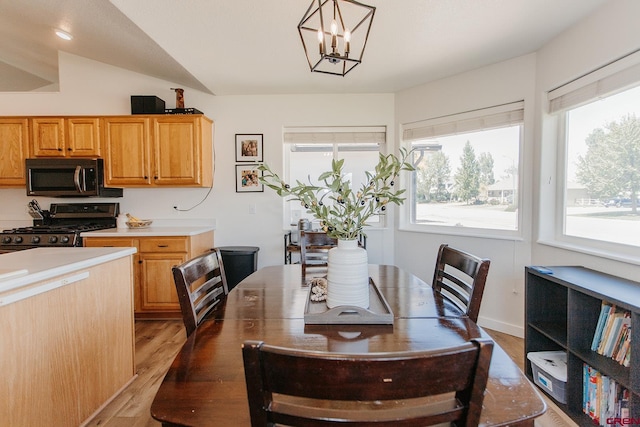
(466, 179)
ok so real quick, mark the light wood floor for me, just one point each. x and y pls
(157, 343)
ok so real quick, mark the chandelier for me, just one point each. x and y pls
(334, 34)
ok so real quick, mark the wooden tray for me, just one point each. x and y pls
(378, 313)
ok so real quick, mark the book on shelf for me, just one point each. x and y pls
(612, 333)
(603, 398)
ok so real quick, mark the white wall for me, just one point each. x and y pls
(509, 81)
(609, 34)
(92, 88)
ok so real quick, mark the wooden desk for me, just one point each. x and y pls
(205, 385)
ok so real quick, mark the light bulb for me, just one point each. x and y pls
(334, 28)
(321, 41)
(347, 41)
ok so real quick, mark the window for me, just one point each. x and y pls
(309, 152)
(466, 178)
(600, 123)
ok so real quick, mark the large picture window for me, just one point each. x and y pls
(598, 168)
(466, 177)
(601, 191)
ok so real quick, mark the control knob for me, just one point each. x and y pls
(18, 239)
(35, 239)
(53, 239)
(6, 239)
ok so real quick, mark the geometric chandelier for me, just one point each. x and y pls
(334, 34)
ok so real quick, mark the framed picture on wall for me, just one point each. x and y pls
(247, 179)
(249, 147)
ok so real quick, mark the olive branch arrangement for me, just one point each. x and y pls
(342, 211)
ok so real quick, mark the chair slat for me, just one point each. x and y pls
(202, 286)
(466, 287)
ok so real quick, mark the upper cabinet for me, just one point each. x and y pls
(162, 150)
(65, 137)
(14, 146)
(138, 150)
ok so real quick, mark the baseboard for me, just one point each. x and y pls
(506, 328)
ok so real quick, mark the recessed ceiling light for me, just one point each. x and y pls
(64, 35)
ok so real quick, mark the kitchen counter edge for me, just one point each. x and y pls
(43, 264)
(150, 231)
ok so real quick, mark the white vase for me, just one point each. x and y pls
(348, 275)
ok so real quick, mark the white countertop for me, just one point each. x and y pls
(22, 268)
(150, 231)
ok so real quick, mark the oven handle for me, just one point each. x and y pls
(76, 180)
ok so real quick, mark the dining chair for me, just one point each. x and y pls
(460, 277)
(314, 249)
(202, 287)
(306, 388)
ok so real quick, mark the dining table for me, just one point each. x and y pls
(205, 385)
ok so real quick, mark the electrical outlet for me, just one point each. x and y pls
(252, 208)
(296, 215)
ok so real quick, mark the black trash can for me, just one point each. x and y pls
(239, 262)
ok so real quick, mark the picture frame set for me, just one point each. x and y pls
(249, 152)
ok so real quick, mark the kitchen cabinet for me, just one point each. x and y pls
(65, 136)
(158, 150)
(14, 145)
(155, 292)
(67, 335)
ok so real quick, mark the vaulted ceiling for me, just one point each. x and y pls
(238, 47)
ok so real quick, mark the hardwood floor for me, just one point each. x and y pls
(157, 343)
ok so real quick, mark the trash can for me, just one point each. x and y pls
(239, 262)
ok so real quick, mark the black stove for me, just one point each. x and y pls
(61, 226)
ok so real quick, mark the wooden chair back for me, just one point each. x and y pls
(304, 388)
(201, 286)
(461, 277)
(314, 249)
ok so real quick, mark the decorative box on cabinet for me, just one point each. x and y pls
(158, 150)
(154, 289)
(65, 136)
(14, 145)
(561, 313)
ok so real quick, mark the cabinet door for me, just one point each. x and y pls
(14, 146)
(83, 136)
(176, 142)
(48, 137)
(158, 292)
(126, 151)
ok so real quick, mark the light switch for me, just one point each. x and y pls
(252, 208)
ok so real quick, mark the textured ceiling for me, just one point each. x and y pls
(253, 47)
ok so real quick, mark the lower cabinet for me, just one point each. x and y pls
(155, 293)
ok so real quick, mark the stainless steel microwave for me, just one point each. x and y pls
(80, 177)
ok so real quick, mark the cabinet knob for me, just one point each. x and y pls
(59, 149)
(155, 177)
(146, 177)
(139, 261)
(69, 149)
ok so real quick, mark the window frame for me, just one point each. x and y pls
(466, 121)
(612, 78)
(323, 136)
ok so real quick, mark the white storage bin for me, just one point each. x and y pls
(550, 372)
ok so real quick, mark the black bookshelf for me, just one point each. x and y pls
(561, 313)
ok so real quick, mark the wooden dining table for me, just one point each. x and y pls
(205, 384)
